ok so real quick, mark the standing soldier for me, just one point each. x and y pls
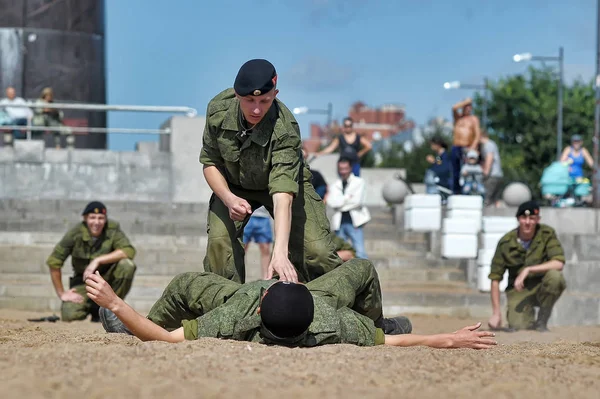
(534, 259)
(96, 244)
(252, 157)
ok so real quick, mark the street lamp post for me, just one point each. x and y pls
(595, 180)
(485, 86)
(306, 110)
(559, 122)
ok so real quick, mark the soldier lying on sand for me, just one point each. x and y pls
(341, 307)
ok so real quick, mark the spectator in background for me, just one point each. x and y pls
(15, 115)
(352, 146)
(346, 197)
(492, 170)
(440, 162)
(317, 180)
(472, 175)
(576, 155)
(466, 137)
(48, 117)
(259, 230)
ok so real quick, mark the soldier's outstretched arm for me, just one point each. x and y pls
(99, 291)
(467, 337)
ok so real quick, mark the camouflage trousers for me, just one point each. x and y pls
(354, 284)
(543, 294)
(120, 277)
(311, 249)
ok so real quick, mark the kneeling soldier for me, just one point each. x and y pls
(96, 244)
(534, 259)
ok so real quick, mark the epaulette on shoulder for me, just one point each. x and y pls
(506, 237)
(285, 121)
(220, 102)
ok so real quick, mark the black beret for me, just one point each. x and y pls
(286, 311)
(528, 208)
(94, 207)
(255, 77)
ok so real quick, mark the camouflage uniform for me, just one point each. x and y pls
(541, 289)
(83, 249)
(257, 165)
(342, 245)
(347, 303)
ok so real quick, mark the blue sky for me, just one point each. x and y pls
(340, 51)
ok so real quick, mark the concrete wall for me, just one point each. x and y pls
(172, 174)
(30, 171)
(185, 144)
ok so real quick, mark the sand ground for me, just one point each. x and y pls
(79, 360)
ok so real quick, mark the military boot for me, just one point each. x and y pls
(541, 324)
(111, 322)
(397, 325)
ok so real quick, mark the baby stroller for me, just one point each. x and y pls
(560, 190)
(433, 186)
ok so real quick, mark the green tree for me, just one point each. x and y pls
(522, 115)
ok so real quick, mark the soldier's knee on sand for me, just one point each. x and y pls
(523, 320)
(125, 269)
(554, 282)
(71, 311)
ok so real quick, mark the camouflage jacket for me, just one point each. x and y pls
(269, 157)
(78, 243)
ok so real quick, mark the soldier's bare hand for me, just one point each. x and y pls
(469, 337)
(239, 208)
(495, 321)
(283, 267)
(71, 296)
(90, 269)
(99, 291)
(520, 280)
(430, 158)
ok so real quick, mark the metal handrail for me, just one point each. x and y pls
(82, 129)
(190, 112)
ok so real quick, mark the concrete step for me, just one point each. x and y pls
(187, 246)
(142, 210)
(386, 243)
(135, 217)
(151, 286)
(415, 260)
(157, 227)
(32, 259)
(388, 277)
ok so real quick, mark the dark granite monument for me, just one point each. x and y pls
(58, 44)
